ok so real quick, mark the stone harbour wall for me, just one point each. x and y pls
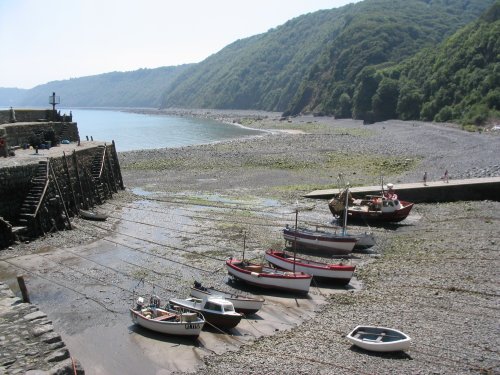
(32, 115)
(28, 342)
(14, 186)
(20, 134)
(15, 182)
(40, 196)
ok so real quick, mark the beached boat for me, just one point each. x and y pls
(326, 242)
(385, 207)
(90, 215)
(242, 304)
(165, 320)
(217, 311)
(379, 339)
(335, 272)
(267, 277)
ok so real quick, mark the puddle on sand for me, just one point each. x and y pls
(142, 192)
(132, 350)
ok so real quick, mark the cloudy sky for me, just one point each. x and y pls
(47, 40)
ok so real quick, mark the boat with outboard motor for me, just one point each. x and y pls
(166, 320)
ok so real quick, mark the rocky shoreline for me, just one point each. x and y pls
(435, 276)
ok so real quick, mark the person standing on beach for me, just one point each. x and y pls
(425, 178)
(445, 177)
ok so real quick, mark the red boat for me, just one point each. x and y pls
(334, 272)
(385, 207)
(267, 277)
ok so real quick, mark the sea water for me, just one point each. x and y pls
(133, 131)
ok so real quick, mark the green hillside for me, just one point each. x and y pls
(260, 72)
(459, 81)
(373, 60)
(139, 88)
(311, 63)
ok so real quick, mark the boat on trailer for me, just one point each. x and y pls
(242, 303)
(379, 339)
(335, 272)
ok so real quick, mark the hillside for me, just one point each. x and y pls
(373, 60)
(139, 88)
(459, 81)
(307, 64)
(11, 96)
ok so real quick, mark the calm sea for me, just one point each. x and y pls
(132, 131)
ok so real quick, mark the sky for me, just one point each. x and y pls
(49, 40)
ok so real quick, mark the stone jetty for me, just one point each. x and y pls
(28, 343)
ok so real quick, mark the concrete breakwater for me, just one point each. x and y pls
(28, 341)
(452, 191)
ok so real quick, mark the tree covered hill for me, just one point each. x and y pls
(307, 64)
(373, 60)
(458, 81)
(139, 88)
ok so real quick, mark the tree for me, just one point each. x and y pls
(366, 87)
(385, 100)
(343, 109)
(409, 101)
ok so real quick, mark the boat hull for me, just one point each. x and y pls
(329, 244)
(379, 339)
(242, 304)
(222, 321)
(362, 213)
(333, 272)
(89, 215)
(268, 278)
(174, 328)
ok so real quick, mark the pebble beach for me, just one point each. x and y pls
(435, 276)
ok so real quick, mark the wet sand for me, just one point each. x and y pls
(87, 289)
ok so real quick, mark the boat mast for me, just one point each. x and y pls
(295, 239)
(345, 209)
(244, 244)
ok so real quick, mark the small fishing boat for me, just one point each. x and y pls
(166, 320)
(90, 215)
(334, 272)
(242, 304)
(379, 339)
(326, 242)
(385, 207)
(217, 311)
(268, 277)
